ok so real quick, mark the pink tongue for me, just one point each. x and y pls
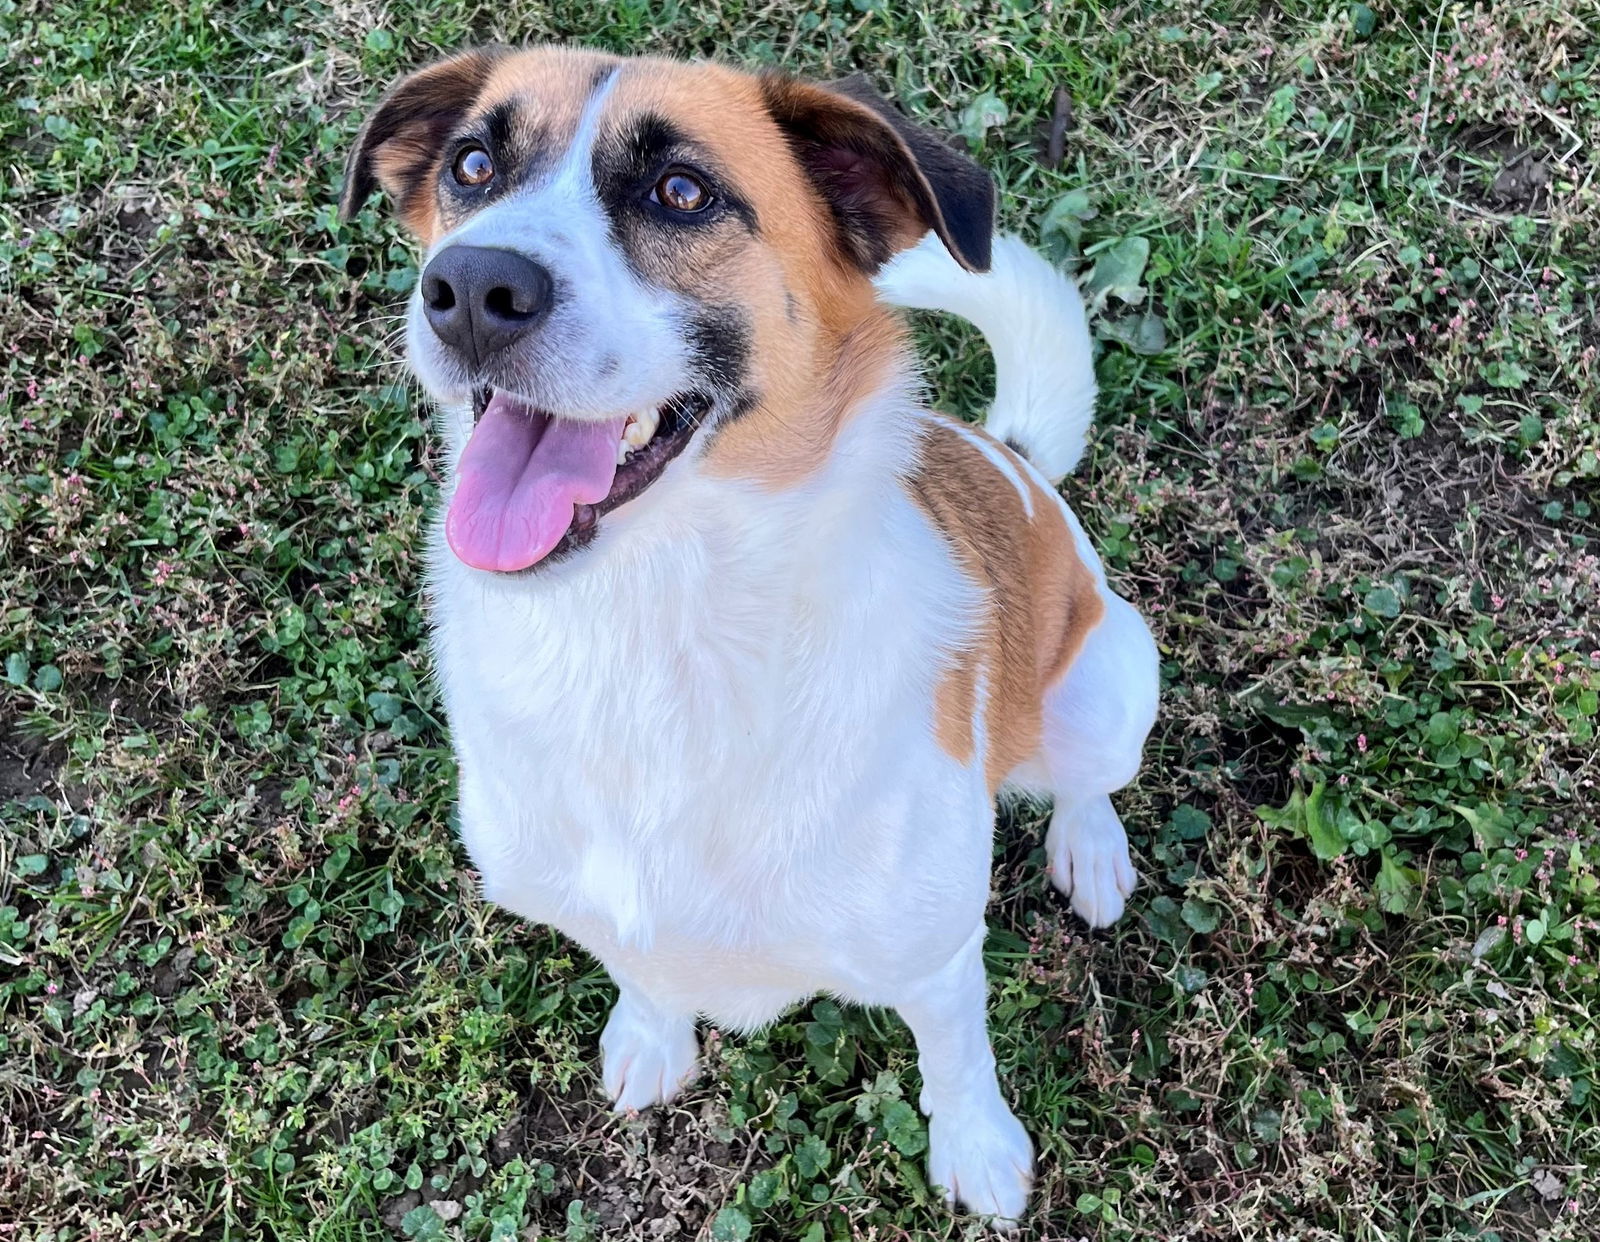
(518, 480)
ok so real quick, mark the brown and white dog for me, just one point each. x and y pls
(738, 641)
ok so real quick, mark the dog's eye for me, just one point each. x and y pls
(473, 166)
(680, 191)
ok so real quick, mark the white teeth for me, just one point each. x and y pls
(641, 429)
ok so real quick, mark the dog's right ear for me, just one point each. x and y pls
(399, 145)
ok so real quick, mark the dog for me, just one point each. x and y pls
(738, 641)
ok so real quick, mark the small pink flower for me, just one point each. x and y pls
(1361, 742)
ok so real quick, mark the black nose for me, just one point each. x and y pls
(480, 300)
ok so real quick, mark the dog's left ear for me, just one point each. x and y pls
(886, 180)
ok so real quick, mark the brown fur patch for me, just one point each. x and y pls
(399, 146)
(818, 340)
(784, 441)
(1042, 599)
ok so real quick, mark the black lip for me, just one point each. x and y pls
(680, 419)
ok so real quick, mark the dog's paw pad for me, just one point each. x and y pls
(644, 1063)
(984, 1161)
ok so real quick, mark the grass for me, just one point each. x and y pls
(1344, 260)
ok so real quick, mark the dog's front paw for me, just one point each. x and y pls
(983, 1159)
(646, 1060)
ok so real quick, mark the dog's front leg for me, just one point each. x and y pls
(648, 1050)
(977, 1150)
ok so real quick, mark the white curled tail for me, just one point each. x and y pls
(1032, 316)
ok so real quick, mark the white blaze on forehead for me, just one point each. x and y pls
(577, 165)
(558, 218)
(566, 195)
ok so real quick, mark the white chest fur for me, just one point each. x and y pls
(705, 749)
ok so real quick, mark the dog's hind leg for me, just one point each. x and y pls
(1095, 723)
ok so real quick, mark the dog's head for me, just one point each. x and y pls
(635, 262)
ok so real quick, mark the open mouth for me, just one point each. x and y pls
(531, 487)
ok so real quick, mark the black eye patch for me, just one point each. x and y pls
(520, 151)
(630, 161)
(497, 125)
(719, 338)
